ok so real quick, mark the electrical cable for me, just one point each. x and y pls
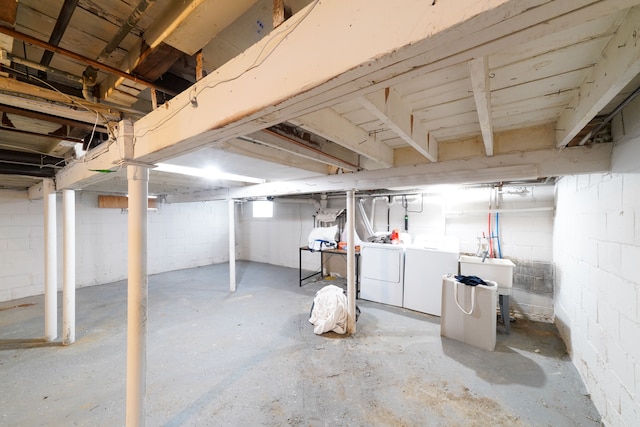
(194, 92)
(73, 101)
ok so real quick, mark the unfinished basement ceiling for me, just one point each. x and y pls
(523, 77)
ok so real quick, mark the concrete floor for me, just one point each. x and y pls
(251, 359)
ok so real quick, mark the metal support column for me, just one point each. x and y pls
(232, 246)
(69, 270)
(351, 261)
(50, 262)
(138, 184)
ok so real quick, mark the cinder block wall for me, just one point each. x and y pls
(180, 236)
(597, 257)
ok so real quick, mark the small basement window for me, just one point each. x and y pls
(263, 209)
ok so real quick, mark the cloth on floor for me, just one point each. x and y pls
(329, 311)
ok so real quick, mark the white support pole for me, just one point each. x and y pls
(232, 246)
(138, 185)
(351, 262)
(50, 263)
(69, 269)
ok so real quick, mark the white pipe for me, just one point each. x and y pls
(365, 220)
(50, 263)
(138, 186)
(351, 260)
(232, 246)
(69, 269)
(484, 212)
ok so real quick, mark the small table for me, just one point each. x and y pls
(331, 252)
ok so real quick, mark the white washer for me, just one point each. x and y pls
(381, 273)
(425, 263)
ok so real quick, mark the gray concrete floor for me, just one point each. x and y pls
(251, 359)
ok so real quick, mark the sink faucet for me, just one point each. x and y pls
(483, 247)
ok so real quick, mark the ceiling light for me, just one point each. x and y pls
(209, 173)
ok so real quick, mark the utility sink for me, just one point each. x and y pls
(499, 270)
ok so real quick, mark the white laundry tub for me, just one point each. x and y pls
(498, 270)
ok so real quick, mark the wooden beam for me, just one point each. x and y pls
(479, 71)
(389, 107)
(281, 142)
(619, 64)
(505, 167)
(332, 126)
(121, 202)
(82, 59)
(50, 118)
(22, 88)
(415, 40)
(8, 10)
(278, 13)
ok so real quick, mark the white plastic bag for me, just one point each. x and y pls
(329, 311)
(322, 234)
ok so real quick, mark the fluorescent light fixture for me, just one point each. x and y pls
(209, 173)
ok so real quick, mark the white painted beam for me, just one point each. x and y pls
(332, 126)
(620, 63)
(505, 167)
(479, 72)
(389, 107)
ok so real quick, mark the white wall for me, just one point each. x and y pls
(180, 236)
(276, 240)
(597, 256)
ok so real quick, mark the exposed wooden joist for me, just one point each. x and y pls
(479, 72)
(39, 135)
(50, 118)
(8, 10)
(332, 126)
(391, 109)
(288, 145)
(82, 59)
(64, 17)
(22, 88)
(260, 151)
(620, 63)
(323, 76)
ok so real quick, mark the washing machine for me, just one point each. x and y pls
(425, 262)
(381, 273)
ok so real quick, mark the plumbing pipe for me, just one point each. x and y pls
(351, 257)
(507, 210)
(69, 273)
(232, 245)
(490, 237)
(365, 220)
(50, 262)
(138, 187)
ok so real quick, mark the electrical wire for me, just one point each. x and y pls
(73, 101)
(195, 92)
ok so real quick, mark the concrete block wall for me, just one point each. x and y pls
(180, 236)
(597, 257)
(276, 240)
